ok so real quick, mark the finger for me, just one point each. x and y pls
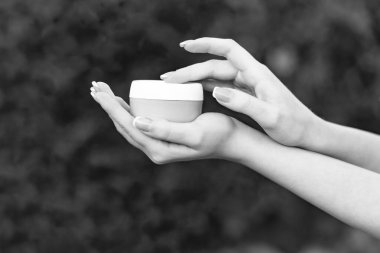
(123, 103)
(159, 151)
(239, 101)
(181, 133)
(102, 87)
(216, 69)
(235, 54)
(210, 84)
(117, 113)
(126, 135)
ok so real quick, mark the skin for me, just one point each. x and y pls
(242, 84)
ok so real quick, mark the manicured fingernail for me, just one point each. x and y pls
(222, 94)
(164, 76)
(183, 43)
(142, 123)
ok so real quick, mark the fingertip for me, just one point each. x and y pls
(214, 90)
(166, 75)
(184, 43)
(171, 79)
(223, 95)
(134, 121)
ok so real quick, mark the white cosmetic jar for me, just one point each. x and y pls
(177, 102)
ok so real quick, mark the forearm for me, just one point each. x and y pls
(350, 193)
(345, 143)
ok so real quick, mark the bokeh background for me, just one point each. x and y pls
(70, 183)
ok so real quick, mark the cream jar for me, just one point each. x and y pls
(175, 102)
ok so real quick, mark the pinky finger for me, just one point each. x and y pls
(123, 103)
(127, 136)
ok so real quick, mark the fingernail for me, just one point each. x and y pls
(94, 84)
(142, 123)
(183, 43)
(92, 94)
(222, 94)
(92, 89)
(164, 76)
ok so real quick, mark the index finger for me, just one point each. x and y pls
(228, 48)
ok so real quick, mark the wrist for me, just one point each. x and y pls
(246, 145)
(317, 135)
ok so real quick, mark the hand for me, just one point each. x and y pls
(244, 85)
(208, 136)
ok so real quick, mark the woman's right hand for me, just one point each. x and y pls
(211, 135)
(244, 85)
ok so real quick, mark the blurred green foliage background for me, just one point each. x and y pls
(70, 183)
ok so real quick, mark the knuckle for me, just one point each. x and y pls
(157, 158)
(246, 104)
(156, 155)
(230, 45)
(118, 128)
(261, 88)
(123, 127)
(197, 140)
(264, 68)
(231, 42)
(266, 72)
(212, 64)
(274, 118)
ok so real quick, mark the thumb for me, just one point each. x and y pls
(180, 133)
(239, 101)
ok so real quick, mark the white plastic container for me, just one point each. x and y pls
(175, 102)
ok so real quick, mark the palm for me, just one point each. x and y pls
(215, 126)
(206, 138)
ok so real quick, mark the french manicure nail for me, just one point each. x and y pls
(164, 76)
(222, 94)
(142, 123)
(183, 43)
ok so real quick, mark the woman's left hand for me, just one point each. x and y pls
(208, 136)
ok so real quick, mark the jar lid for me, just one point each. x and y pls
(156, 89)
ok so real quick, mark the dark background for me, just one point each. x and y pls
(70, 183)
